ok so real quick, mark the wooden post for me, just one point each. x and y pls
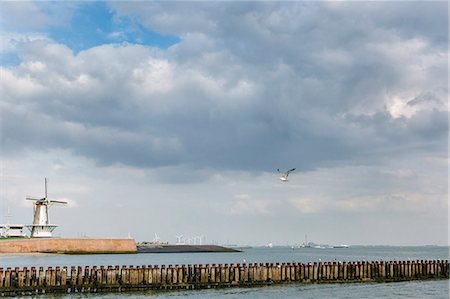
(20, 279)
(90, 276)
(335, 271)
(27, 274)
(301, 271)
(180, 271)
(374, 270)
(197, 274)
(269, 267)
(109, 276)
(244, 274)
(309, 272)
(213, 273)
(292, 268)
(315, 271)
(175, 275)
(58, 276)
(64, 277)
(125, 276)
(251, 273)
(259, 272)
(14, 277)
(227, 273)
(169, 275)
(99, 278)
(402, 269)
(2, 278)
(203, 275)
(8, 278)
(79, 277)
(48, 277)
(33, 277)
(327, 271)
(152, 275)
(135, 276)
(383, 270)
(184, 275)
(159, 276)
(191, 274)
(236, 274)
(344, 271)
(362, 270)
(297, 274)
(73, 278)
(264, 272)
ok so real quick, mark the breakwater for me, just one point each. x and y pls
(168, 248)
(68, 245)
(15, 281)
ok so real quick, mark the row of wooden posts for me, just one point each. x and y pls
(102, 279)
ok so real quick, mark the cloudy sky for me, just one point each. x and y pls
(173, 117)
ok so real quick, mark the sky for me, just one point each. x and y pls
(173, 118)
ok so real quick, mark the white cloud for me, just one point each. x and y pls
(309, 205)
(153, 76)
(23, 14)
(248, 206)
(9, 41)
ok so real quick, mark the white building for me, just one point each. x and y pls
(12, 231)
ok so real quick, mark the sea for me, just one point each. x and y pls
(413, 289)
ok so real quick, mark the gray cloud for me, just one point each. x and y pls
(252, 86)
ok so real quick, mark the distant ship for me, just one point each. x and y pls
(306, 244)
(341, 246)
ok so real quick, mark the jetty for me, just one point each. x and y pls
(182, 248)
(30, 281)
(67, 245)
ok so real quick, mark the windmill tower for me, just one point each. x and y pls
(41, 227)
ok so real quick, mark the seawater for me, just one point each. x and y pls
(412, 289)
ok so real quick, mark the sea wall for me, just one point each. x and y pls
(68, 245)
(127, 278)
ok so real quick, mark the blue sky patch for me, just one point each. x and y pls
(94, 24)
(9, 59)
(78, 25)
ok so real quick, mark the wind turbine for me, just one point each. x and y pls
(41, 227)
(180, 240)
(156, 239)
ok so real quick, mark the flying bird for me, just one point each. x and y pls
(284, 175)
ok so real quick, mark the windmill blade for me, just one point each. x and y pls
(30, 198)
(58, 201)
(291, 170)
(45, 179)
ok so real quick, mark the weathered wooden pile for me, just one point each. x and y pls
(127, 278)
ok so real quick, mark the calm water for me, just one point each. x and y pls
(421, 289)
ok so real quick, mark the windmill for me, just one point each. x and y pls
(41, 227)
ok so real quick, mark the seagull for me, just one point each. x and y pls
(284, 176)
